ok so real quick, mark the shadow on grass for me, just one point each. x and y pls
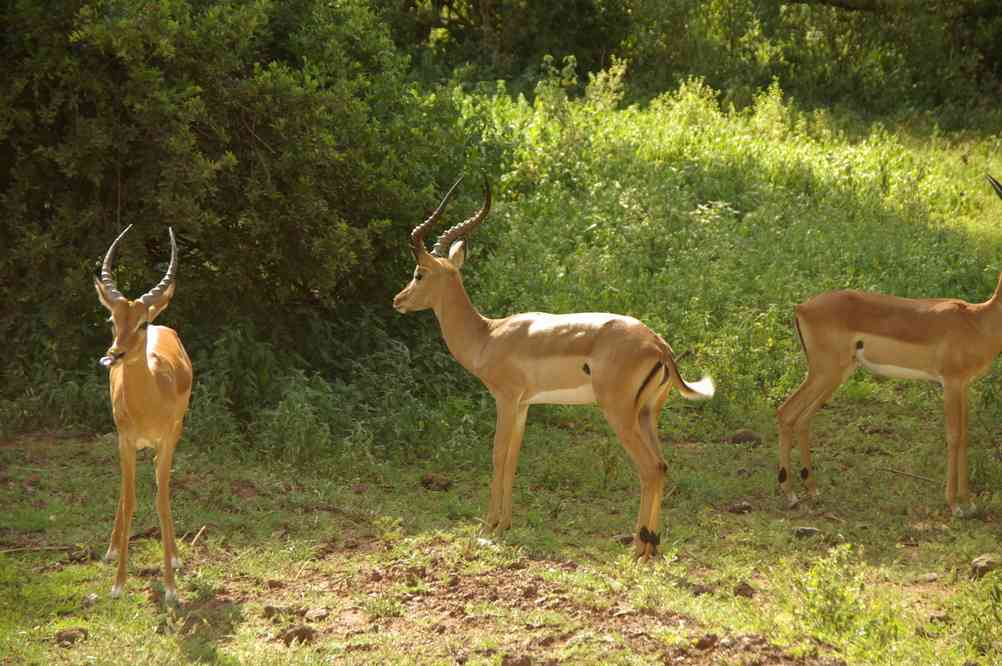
(203, 623)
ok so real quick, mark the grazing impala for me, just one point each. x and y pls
(150, 378)
(535, 358)
(944, 340)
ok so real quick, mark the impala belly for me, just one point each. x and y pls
(882, 358)
(581, 395)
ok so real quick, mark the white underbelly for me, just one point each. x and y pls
(582, 395)
(895, 371)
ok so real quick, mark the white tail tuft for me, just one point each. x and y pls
(701, 390)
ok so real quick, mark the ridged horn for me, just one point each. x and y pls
(417, 236)
(995, 185)
(109, 259)
(156, 295)
(463, 228)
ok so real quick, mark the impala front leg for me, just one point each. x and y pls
(127, 505)
(955, 406)
(507, 442)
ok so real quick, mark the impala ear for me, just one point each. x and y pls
(457, 254)
(154, 310)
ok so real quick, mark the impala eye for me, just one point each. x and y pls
(418, 276)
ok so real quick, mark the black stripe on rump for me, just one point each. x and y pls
(650, 376)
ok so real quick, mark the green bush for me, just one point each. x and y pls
(283, 141)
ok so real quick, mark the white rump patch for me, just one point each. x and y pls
(582, 395)
(894, 371)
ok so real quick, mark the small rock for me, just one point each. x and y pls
(316, 614)
(740, 507)
(805, 532)
(706, 642)
(743, 589)
(625, 539)
(68, 637)
(742, 472)
(745, 436)
(983, 564)
(941, 617)
(436, 482)
(930, 577)
(520, 660)
(89, 600)
(274, 611)
(301, 633)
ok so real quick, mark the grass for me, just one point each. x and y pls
(377, 567)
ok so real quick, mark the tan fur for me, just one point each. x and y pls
(150, 386)
(538, 357)
(944, 340)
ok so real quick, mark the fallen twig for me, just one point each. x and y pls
(909, 474)
(198, 536)
(33, 549)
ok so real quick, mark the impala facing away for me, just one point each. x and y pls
(944, 340)
(535, 358)
(150, 378)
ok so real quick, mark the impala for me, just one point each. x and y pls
(536, 358)
(150, 378)
(944, 340)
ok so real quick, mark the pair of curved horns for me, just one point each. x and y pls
(454, 233)
(155, 295)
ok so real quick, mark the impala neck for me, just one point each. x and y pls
(463, 328)
(134, 370)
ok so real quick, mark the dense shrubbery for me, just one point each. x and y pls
(284, 142)
(293, 149)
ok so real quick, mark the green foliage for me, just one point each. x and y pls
(710, 224)
(297, 428)
(283, 146)
(507, 39)
(57, 399)
(830, 602)
(979, 616)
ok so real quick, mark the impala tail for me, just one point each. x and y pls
(700, 390)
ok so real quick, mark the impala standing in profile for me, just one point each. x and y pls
(944, 340)
(150, 377)
(536, 358)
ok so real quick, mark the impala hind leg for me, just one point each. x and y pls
(123, 517)
(164, 460)
(648, 432)
(651, 469)
(794, 420)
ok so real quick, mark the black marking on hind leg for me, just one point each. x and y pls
(859, 344)
(782, 475)
(804, 473)
(647, 536)
(586, 369)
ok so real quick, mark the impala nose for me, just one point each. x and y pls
(398, 303)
